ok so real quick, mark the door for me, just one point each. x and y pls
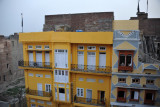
(39, 59)
(89, 95)
(31, 58)
(67, 94)
(39, 88)
(91, 60)
(102, 96)
(56, 93)
(47, 58)
(102, 60)
(66, 76)
(56, 75)
(61, 58)
(61, 94)
(80, 60)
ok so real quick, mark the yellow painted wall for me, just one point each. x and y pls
(126, 25)
(94, 86)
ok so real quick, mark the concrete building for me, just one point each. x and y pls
(5, 61)
(87, 22)
(10, 51)
(134, 84)
(67, 68)
(150, 35)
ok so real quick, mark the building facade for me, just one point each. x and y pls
(65, 69)
(133, 83)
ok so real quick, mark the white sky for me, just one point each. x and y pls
(35, 10)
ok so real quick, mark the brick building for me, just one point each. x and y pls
(5, 60)
(150, 34)
(88, 22)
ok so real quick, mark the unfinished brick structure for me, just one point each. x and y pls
(10, 52)
(150, 34)
(87, 22)
(5, 60)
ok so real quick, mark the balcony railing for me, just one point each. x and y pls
(32, 64)
(91, 68)
(96, 102)
(38, 93)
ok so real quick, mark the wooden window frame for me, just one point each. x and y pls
(122, 81)
(149, 101)
(150, 82)
(136, 79)
(126, 68)
(138, 95)
(121, 99)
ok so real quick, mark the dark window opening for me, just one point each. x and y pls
(7, 65)
(4, 78)
(12, 43)
(61, 90)
(122, 80)
(137, 81)
(0, 78)
(122, 60)
(149, 96)
(121, 94)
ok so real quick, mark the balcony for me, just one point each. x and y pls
(47, 65)
(38, 93)
(96, 102)
(91, 68)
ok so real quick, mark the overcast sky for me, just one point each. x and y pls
(35, 10)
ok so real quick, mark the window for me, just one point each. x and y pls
(49, 103)
(32, 100)
(81, 79)
(101, 81)
(30, 47)
(38, 47)
(102, 48)
(61, 76)
(125, 60)
(91, 47)
(39, 75)
(134, 95)
(122, 80)
(61, 90)
(121, 96)
(30, 74)
(4, 78)
(33, 105)
(48, 87)
(46, 47)
(80, 47)
(47, 76)
(80, 92)
(12, 43)
(6, 56)
(39, 101)
(137, 81)
(91, 80)
(149, 97)
(150, 82)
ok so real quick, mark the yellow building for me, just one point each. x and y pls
(66, 69)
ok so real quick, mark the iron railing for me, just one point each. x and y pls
(97, 102)
(91, 68)
(38, 93)
(32, 64)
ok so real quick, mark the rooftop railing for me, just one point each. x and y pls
(47, 65)
(91, 68)
(96, 102)
(38, 93)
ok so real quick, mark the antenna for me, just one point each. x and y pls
(22, 21)
(138, 9)
(147, 7)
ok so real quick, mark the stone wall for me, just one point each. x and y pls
(88, 22)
